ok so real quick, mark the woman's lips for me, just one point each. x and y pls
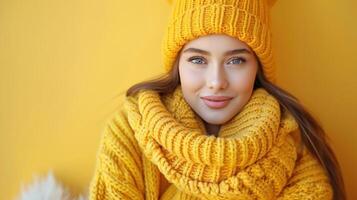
(216, 101)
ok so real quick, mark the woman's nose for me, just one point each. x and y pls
(216, 77)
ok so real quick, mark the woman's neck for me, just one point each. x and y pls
(212, 129)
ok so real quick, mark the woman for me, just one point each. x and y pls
(215, 126)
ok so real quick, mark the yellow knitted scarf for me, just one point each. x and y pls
(252, 157)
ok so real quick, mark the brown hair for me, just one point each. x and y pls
(312, 133)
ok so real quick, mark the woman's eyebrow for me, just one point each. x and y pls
(231, 52)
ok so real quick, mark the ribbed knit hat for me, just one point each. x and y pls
(247, 20)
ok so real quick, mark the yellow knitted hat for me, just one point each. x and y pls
(247, 20)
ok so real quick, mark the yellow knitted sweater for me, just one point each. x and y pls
(155, 147)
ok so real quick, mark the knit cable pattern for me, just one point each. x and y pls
(253, 157)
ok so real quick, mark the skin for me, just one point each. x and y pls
(214, 73)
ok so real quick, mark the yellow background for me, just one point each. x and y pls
(63, 63)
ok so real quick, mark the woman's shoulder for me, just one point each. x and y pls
(117, 132)
(302, 150)
(122, 108)
(117, 122)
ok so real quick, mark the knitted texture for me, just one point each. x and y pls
(156, 147)
(246, 20)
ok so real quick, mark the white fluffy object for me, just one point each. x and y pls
(46, 188)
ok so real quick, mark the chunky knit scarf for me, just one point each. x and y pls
(252, 157)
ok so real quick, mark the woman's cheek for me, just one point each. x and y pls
(191, 77)
(241, 81)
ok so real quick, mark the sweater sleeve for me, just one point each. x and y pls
(308, 181)
(117, 173)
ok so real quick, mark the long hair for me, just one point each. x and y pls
(312, 133)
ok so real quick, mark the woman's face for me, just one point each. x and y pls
(217, 74)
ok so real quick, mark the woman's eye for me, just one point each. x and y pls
(237, 61)
(200, 60)
(196, 60)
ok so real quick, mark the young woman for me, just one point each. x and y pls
(215, 126)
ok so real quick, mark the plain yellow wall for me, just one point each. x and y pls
(63, 63)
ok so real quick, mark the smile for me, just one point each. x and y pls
(216, 103)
